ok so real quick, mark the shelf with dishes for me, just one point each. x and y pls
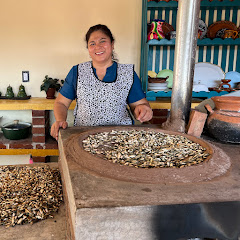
(209, 81)
(200, 42)
(218, 39)
(160, 33)
(152, 96)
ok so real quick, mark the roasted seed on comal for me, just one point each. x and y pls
(145, 149)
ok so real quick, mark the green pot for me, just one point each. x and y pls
(16, 130)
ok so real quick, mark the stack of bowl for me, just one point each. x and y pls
(157, 84)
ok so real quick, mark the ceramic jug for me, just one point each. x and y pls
(223, 122)
(230, 34)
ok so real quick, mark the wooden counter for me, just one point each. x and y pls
(37, 103)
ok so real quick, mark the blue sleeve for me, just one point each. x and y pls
(136, 93)
(69, 87)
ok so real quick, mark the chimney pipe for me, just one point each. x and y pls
(184, 62)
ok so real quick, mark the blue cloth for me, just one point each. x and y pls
(68, 90)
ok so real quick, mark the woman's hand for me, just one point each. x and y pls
(60, 110)
(56, 126)
(142, 110)
(143, 113)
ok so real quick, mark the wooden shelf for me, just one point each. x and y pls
(203, 42)
(204, 4)
(33, 152)
(47, 104)
(30, 104)
(38, 144)
(165, 103)
(162, 4)
(25, 146)
(151, 95)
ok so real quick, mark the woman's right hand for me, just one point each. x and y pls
(55, 128)
(60, 110)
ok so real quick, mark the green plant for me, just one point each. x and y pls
(49, 82)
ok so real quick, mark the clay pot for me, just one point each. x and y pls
(51, 93)
(227, 103)
(224, 125)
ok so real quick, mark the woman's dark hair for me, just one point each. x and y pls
(99, 27)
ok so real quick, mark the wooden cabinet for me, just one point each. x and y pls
(158, 55)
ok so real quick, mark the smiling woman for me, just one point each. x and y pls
(102, 88)
(100, 50)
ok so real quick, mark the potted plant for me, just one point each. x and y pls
(50, 86)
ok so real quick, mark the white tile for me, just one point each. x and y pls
(14, 159)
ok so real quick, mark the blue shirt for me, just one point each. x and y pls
(69, 87)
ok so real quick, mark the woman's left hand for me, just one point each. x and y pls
(142, 110)
(143, 113)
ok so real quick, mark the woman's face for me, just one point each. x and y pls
(100, 47)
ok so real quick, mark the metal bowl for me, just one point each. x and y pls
(16, 130)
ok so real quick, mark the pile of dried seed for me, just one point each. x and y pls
(145, 149)
(28, 194)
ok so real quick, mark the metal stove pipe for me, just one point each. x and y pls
(184, 62)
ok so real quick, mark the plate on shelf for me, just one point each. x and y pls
(166, 73)
(234, 77)
(157, 90)
(217, 29)
(157, 86)
(208, 74)
(164, 84)
(167, 28)
(152, 74)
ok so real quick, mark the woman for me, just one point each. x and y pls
(102, 87)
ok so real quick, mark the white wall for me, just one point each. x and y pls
(47, 37)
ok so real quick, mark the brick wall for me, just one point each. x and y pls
(39, 123)
(159, 116)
